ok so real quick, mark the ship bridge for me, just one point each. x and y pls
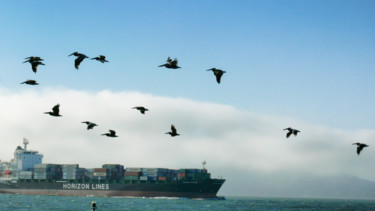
(24, 160)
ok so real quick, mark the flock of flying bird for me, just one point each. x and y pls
(171, 64)
(35, 61)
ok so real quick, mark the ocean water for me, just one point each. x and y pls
(40, 203)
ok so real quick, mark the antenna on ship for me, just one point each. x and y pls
(25, 143)
(204, 163)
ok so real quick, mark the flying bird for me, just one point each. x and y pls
(173, 132)
(218, 73)
(111, 133)
(360, 146)
(79, 59)
(291, 131)
(141, 109)
(100, 58)
(55, 111)
(30, 82)
(34, 61)
(90, 125)
(172, 64)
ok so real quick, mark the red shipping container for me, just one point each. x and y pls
(100, 170)
(132, 173)
(181, 175)
(162, 178)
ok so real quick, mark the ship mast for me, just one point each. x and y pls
(25, 143)
(204, 163)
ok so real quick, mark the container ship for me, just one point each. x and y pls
(26, 174)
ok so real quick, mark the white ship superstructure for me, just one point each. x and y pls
(22, 163)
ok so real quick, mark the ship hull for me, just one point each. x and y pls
(204, 189)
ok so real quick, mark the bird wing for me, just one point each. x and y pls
(34, 66)
(173, 129)
(359, 149)
(112, 132)
(56, 109)
(295, 132)
(162, 65)
(218, 76)
(288, 134)
(174, 62)
(78, 61)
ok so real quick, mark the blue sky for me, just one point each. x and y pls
(312, 60)
(306, 64)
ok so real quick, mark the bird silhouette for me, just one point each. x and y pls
(55, 111)
(79, 59)
(34, 61)
(173, 132)
(291, 131)
(141, 109)
(360, 146)
(218, 73)
(172, 64)
(100, 58)
(111, 133)
(30, 82)
(90, 125)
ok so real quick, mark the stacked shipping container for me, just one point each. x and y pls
(115, 171)
(47, 171)
(111, 172)
(25, 175)
(72, 172)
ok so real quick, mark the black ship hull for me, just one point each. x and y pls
(197, 189)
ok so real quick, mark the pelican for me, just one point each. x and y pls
(111, 133)
(79, 59)
(172, 64)
(100, 58)
(34, 61)
(360, 146)
(30, 82)
(173, 132)
(141, 109)
(55, 111)
(291, 131)
(218, 73)
(90, 125)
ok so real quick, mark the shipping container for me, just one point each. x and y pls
(113, 166)
(132, 173)
(99, 174)
(162, 178)
(181, 175)
(134, 169)
(131, 178)
(100, 170)
(143, 178)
